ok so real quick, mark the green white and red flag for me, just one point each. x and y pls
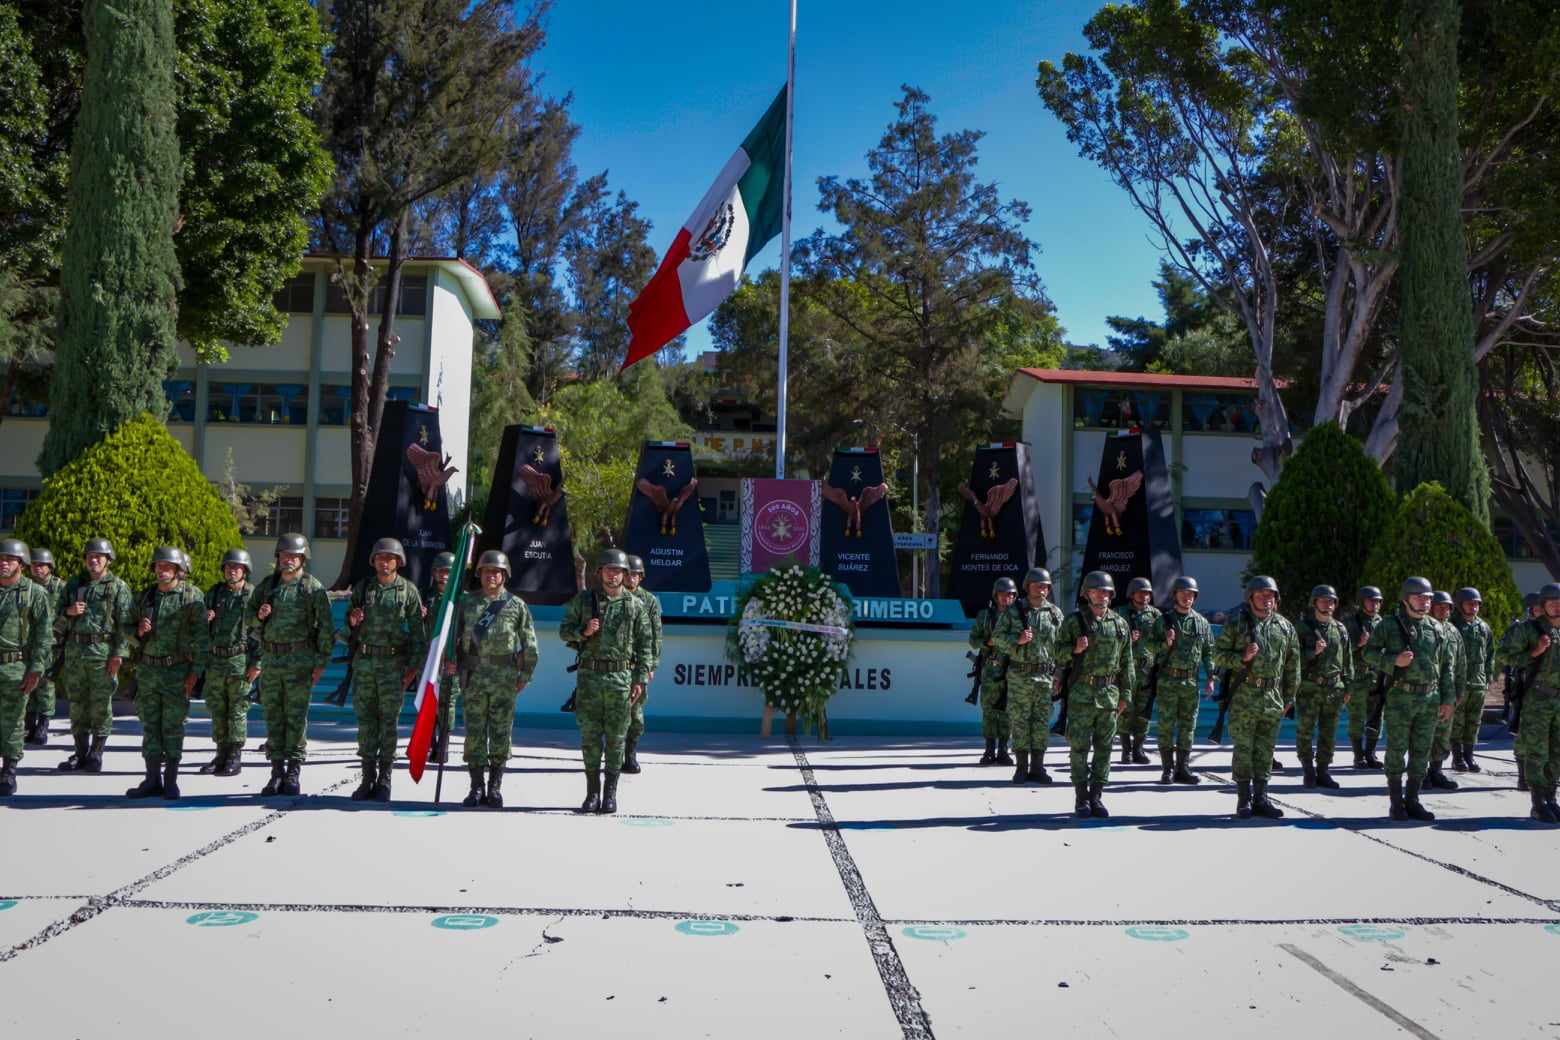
(440, 647)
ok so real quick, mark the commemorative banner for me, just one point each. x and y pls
(665, 527)
(857, 544)
(1001, 533)
(528, 516)
(406, 498)
(780, 523)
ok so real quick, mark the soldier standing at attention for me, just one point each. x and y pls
(1026, 634)
(171, 643)
(1479, 661)
(385, 632)
(40, 705)
(1326, 669)
(26, 646)
(95, 627)
(1259, 647)
(1141, 616)
(1365, 694)
(1415, 652)
(614, 652)
(1529, 646)
(292, 615)
(636, 725)
(232, 652)
(1441, 745)
(449, 689)
(496, 647)
(994, 720)
(1516, 679)
(1098, 644)
(1182, 643)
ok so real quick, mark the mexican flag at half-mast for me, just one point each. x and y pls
(439, 647)
(736, 218)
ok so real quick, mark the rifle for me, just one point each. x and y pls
(1517, 679)
(1379, 695)
(1085, 621)
(979, 660)
(595, 613)
(1229, 682)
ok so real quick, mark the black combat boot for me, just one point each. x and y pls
(1411, 802)
(990, 756)
(1261, 805)
(274, 785)
(217, 764)
(1021, 767)
(152, 785)
(592, 800)
(41, 734)
(1323, 778)
(1439, 780)
(1457, 758)
(609, 794)
(1037, 773)
(1470, 763)
(1184, 775)
(170, 780)
(365, 787)
(1307, 771)
(30, 731)
(477, 793)
(1522, 784)
(1397, 810)
(1003, 758)
(1166, 763)
(1549, 800)
(1126, 749)
(234, 763)
(291, 786)
(1541, 811)
(1243, 799)
(381, 781)
(1139, 756)
(1081, 807)
(1278, 767)
(1096, 806)
(1371, 761)
(8, 778)
(1358, 743)
(494, 799)
(78, 760)
(630, 762)
(94, 762)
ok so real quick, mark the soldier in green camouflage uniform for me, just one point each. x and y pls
(1515, 675)
(1415, 652)
(171, 644)
(1182, 644)
(1026, 634)
(1094, 644)
(385, 631)
(614, 653)
(1259, 648)
(291, 614)
(496, 648)
(233, 651)
(1479, 660)
(1529, 645)
(1366, 696)
(994, 722)
(449, 687)
(1326, 669)
(26, 647)
(40, 705)
(1141, 616)
(95, 629)
(636, 726)
(1441, 743)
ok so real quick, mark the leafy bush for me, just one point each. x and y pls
(138, 488)
(1435, 536)
(1327, 510)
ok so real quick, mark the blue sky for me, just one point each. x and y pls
(665, 92)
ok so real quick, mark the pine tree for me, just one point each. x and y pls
(119, 273)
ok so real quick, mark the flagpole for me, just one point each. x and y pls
(785, 253)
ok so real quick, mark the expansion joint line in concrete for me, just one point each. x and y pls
(1370, 1000)
(903, 998)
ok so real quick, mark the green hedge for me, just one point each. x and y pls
(138, 488)
(1434, 536)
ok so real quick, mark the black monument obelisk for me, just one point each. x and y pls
(528, 517)
(1001, 534)
(665, 527)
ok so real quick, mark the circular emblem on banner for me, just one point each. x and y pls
(781, 528)
(715, 234)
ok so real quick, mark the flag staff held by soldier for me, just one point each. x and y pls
(25, 648)
(41, 703)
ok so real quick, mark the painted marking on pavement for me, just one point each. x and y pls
(706, 928)
(645, 821)
(6, 904)
(1349, 987)
(1552, 929)
(464, 922)
(934, 933)
(1155, 933)
(417, 812)
(221, 918)
(1372, 932)
(188, 808)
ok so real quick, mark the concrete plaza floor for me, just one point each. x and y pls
(748, 888)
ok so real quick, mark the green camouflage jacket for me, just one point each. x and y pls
(229, 630)
(392, 617)
(1433, 662)
(1107, 660)
(107, 622)
(25, 620)
(1333, 668)
(653, 609)
(1478, 652)
(1193, 650)
(1269, 682)
(1043, 621)
(994, 662)
(300, 613)
(498, 627)
(622, 644)
(178, 627)
(1142, 622)
(1516, 651)
(1358, 624)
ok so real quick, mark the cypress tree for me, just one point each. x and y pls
(1439, 439)
(119, 275)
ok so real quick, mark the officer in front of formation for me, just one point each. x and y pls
(1025, 634)
(385, 631)
(25, 649)
(994, 722)
(1142, 616)
(636, 725)
(231, 652)
(40, 705)
(1326, 669)
(1182, 643)
(1259, 648)
(95, 627)
(1094, 643)
(170, 643)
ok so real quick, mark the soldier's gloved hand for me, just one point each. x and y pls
(314, 676)
(113, 666)
(355, 616)
(592, 627)
(29, 682)
(636, 692)
(264, 611)
(1404, 659)
(1252, 649)
(1027, 637)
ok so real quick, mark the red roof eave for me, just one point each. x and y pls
(1146, 379)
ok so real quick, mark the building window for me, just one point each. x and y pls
(413, 302)
(12, 502)
(283, 404)
(336, 401)
(1217, 528)
(1220, 413)
(1100, 409)
(330, 517)
(181, 399)
(285, 515)
(297, 296)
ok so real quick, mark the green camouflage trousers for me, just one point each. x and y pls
(490, 714)
(1089, 728)
(1540, 741)
(161, 706)
(1363, 702)
(227, 701)
(1468, 716)
(1441, 742)
(1411, 722)
(284, 699)
(601, 710)
(1253, 733)
(1177, 707)
(86, 684)
(1316, 720)
(41, 701)
(377, 696)
(994, 724)
(1029, 710)
(1131, 723)
(13, 704)
(449, 696)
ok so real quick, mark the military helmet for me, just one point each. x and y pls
(1440, 599)
(1140, 585)
(43, 556)
(1467, 594)
(1099, 580)
(98, 545)
(1185, 583)
(612, 558)
(1549, 592)
(494, 558)
(1261, 583)
(240, 557)
(1004, 585)
(1037, 574)
(389, 547)
(1530, 601)
(170, 554)
(292, 542)
(445, 560)
(1324, 592)
(1415, 587)
(17, 549)
(636, 565)
(1370, 592)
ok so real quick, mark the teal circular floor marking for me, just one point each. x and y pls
(417, 812)
(646, 821)
(1552, 929)
(6, 904)
(464, 922)
(188, 808)
(934, 933)
(1372, 932)
(1157, 933)
(221, 918)
(706, 928)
